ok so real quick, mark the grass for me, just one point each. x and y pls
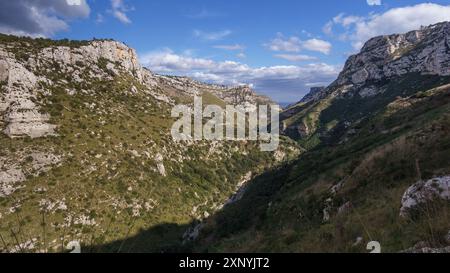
(101, 177)
(379, 162)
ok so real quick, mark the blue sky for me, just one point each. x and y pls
(282, 48)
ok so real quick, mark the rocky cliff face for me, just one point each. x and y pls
(23, 78)
(230, 95)
(314, 94)
(17, 101)
(24, 75)
(425, 51)
(85, 139)
(374, 77)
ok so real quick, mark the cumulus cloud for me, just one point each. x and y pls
(317, 45)
(295, 44)
(39, 17)
(374, 2)
(295, 57)
(212, 36)
(284, 83)
(119, 10)
(167, 61)
(397, 20)
(292, 44)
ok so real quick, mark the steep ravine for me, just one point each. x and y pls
(376, 163)
(194, 231)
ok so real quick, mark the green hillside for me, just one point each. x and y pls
(283, 211)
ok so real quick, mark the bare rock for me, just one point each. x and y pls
(160, 164)
(336, 188)
(369, 92)
(360, 76)
(314, 94)
(22, 116)
(4, 71)
(422, 51)
(12, 172)
(423, 191)
(279, 155)
(344, 209)
(241, 189)
(10, 180)
(43, 162)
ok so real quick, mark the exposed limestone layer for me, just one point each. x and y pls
(17, 100)
(424, 191)
(230, 95)
(22, 79)
(16, 167)
(424, 51)
(382, 60)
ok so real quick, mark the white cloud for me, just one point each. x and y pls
(39, 17)
(374, 2)
(284, 83)
(292, 44)
(317, 45)
(347, 21)
(295, 44)
(167, 61)
(230, 47)
(295, 57)
(397, 20)
(119, 11)
(212, 36)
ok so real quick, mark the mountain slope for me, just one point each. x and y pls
(386, 67)
(86, 152)
(372, 136)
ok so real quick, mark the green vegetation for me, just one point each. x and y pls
(41, 42)
(109, 133)
(283, 210)
(123, 185)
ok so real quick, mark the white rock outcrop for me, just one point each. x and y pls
(112, 51)
(4, 71)
(20, 82)
(10, 180)
(423, 191)
(13, 174)
(160, 164)
(422, 51)
(238, 95)
(20, 113)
